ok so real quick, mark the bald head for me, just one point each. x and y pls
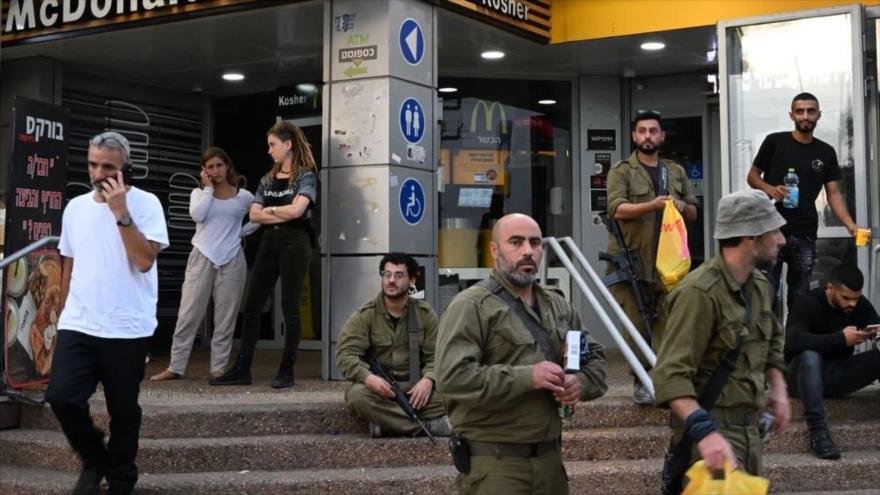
(517, 249)
(513, 221)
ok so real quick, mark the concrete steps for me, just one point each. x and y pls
(48, 449)
(254, 440)
(788, 472)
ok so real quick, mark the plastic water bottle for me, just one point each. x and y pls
(791, 187)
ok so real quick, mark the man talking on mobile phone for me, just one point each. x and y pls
(821, 334)
(110, 239)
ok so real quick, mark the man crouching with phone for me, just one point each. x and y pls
(822, 330)
(110, 239)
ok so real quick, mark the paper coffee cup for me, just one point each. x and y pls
(862, 237)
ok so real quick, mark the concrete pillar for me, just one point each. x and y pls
(378, 174)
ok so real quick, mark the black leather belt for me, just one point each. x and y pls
(498, 449)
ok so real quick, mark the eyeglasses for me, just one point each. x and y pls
(105, 138)
(386, 275)
(649, 112)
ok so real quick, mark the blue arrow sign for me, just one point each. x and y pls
(412, 120)
(412, 201)
(412, 42)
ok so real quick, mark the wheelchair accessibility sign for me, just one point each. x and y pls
(412, 201)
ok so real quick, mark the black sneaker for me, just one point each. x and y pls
(822, 446)
(238, 374)
(89, 482)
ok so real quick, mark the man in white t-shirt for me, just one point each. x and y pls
(109, 240)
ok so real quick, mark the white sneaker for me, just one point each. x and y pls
(440, 427)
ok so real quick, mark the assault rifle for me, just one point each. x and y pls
(629, 270)
(399, 396)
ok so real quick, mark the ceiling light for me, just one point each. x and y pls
(233, 76)
(492, 55)
(306, 87)
(448, 90)
(546, 102)
(652, 46)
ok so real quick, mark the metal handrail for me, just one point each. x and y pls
(5, 391)
(30, 248)
(628, 354)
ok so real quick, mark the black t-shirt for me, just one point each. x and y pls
(655, 174)
(815, 165)
(280, 192)
(814, 325)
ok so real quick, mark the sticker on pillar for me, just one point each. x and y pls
(412, 42)
(412, 201)
(412, 120)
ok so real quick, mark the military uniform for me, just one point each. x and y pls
(484, 362)
(371, 327)
(628, 182)
(706, 313)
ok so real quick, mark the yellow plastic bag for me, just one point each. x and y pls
(735, 482)
(673, 255)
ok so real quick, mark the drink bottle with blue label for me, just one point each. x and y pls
(791, 188)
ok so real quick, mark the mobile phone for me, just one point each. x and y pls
(872, 328)
(127, 173)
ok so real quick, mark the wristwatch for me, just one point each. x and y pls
(125, 221)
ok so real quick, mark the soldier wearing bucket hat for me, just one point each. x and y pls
(722, 305)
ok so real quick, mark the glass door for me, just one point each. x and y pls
(764, 62)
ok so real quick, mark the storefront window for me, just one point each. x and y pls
(505, 148)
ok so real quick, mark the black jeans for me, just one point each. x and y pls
(285, 251)
(79, 363)
(799, 253)
(812, 378)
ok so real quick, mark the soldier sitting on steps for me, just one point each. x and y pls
(383, 327)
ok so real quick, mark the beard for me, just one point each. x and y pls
(395, 292)
(805, 126)
(648, 148)
(510, 271)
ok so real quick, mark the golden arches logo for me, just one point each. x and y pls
(488, 112)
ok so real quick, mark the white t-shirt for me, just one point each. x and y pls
(218, 223)
(109, 297)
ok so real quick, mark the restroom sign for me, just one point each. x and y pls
(412, 120)
(412, 201)
(412, 42)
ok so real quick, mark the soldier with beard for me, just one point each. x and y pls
(815, 164)
(501, 386)
(721, 306)
(638, 189)
(382, 326)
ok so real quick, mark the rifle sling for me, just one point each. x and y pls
(412, 328)
(518, 309)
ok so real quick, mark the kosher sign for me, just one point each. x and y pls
(37, 179)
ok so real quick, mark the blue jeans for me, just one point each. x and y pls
(813, 378)
(800, 254)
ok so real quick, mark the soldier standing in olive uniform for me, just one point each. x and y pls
(381, 326)
(724, 299)
(501, 390)
(638, 189)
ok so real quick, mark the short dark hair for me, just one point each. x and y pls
(805, 97)
(847, 275)
(730, 242)
(647, 115)
(412, 268)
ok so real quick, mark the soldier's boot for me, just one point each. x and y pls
(641, 394)
(238, 374)
(439, 427)
(284, 377)
(822, 446)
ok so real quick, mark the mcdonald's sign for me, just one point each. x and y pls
(488, 113)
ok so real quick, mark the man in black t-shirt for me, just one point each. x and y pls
(820, 336)
(815, 163)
